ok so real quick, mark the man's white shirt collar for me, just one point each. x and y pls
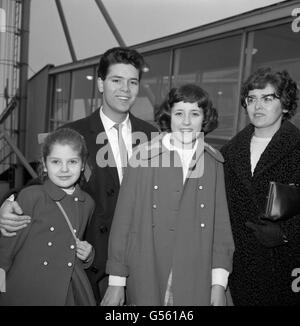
(112, 136)
(109, 124)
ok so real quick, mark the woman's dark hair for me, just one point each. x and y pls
(189, 93)
(63, 136)
(285, 88)
(120, 55)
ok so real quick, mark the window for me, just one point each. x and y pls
(278, 47)
(214, 66)
(82, 93)
(61, 97)
(154, 86)
(2, 20)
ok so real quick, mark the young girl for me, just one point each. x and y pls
(44, 263)
(170, 241)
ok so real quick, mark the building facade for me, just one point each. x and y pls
(218, 56)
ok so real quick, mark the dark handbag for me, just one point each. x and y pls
(283, 201)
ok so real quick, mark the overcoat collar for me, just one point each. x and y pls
(96, 125)
(283, 143)
(57, 194)
(156, 148)
(286, 139)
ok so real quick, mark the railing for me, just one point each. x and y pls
(9, 152)
(19, 155)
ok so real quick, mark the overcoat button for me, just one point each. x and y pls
(155, 187)
(202, 225)
(76, 198)
(103, 229)
(202, 205)
(200, 187)
(110, 192)
(51, 228)
(49, 244)
(72, 247)
(154, 206)
(70, 264)
(75, 230)
(94, 269)
(45, 263)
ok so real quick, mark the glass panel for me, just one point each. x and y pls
(215, 67)
(82, 93)
(154, 86)
(278, 47)
(61, 99)
(98, 96)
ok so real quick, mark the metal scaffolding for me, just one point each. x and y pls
(14, 44)
(9, 50)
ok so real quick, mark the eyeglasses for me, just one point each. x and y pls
(265, 100)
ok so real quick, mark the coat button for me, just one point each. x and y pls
(202, 225)
(103, 229)
(70, 264)
(110, 192)
(94, 269)
(155, 187)
(45, 263)
(75, 230)
(202, 205)
(51, 228)
(49, 244)
(200, 187)
(154, 206)
(72, 247)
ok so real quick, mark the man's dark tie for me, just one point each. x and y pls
(122, 147)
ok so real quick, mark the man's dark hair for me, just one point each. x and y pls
(120, 55)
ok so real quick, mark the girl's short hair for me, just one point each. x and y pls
(189, 93)
(63, 136)
(285, 88)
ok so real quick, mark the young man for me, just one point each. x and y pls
(109, 130)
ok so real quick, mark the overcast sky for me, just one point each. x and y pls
(137, 21)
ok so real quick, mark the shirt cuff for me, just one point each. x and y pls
(219, 276)
(116, 280)
(2, 280)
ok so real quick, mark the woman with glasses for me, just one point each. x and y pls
(268, 149)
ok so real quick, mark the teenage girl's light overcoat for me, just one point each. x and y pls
(161, 224)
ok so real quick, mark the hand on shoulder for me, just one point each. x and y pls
(11, 218)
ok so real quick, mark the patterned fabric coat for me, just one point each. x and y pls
(262, 276)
